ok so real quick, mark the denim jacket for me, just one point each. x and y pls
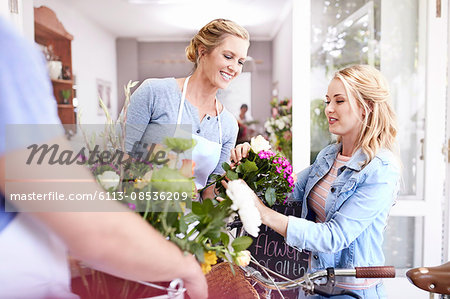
(356, 210)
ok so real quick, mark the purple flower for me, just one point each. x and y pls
(132, 206)
(265, 154)
(288, 169)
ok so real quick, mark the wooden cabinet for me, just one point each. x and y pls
(51, 34)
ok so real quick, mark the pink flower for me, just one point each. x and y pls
(287, 135)
(187, 168)
(294, 176)
(265, 154)
(289, 104)
(274, 112)
(279, 169)
(132, 206)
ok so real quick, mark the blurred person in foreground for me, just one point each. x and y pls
(34, 246)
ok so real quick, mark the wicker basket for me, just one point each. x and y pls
(223, 284)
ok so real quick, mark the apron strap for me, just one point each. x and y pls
(220, 123)
(183, 97)
(180, 110)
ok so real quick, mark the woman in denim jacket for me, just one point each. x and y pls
(348, 191)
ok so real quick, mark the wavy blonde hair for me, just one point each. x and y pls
(211, 35)
(371, 91)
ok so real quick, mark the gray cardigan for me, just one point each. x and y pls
(153, 112)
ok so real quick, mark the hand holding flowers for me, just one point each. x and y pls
(268, 174)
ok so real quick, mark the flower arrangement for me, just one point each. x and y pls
(267, 173)
(198, 228)
(278, 126)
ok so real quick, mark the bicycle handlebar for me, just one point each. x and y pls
(358, 272)
(375, 272)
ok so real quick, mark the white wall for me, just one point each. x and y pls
(93, 57)
(282, 58)
(15, 18)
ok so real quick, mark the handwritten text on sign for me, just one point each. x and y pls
(271, 251)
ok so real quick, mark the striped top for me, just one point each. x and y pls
(316, 201)
(319, 193)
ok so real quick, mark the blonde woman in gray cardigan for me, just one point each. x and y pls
(218, 52)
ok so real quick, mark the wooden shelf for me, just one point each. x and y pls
(48, 25)
(50, 32)
(61, 81)
(65, 106)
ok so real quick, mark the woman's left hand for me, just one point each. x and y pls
(239, 152)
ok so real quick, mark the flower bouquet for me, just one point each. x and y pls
(160, 187)
(267, 173)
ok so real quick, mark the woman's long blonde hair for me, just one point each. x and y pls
(211, 35)
(371, 91)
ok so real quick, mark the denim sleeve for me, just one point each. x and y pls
(372, 197)
(138, 114)
(300, 185)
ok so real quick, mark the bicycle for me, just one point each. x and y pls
(431, 279)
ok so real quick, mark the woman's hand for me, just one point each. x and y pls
(239, 152)
(258, 203)
(276, 221)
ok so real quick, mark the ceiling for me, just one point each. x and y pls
(171, 20)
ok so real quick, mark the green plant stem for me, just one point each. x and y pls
(212, 183)
(146, 209)
(163, 220)
(201, 234)
(190, 233)
(176, 161)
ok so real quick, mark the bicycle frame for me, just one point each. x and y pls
(328, 288)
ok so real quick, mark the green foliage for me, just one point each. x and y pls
(268, 174)
(179, 145)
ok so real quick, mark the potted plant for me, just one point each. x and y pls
(66, 93)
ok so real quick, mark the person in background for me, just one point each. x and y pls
(245, 123)
(218, 52)
(34, 246)
(347, 192)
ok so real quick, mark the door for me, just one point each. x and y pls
(407, 41)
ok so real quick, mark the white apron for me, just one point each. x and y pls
(206, 153)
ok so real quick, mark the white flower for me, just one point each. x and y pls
(280, 123)
(109, 179)
(258, 144)
(268, 127)
(243, 258)
(243, 202)
(273, 138)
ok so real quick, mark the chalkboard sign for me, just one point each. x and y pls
(271, 251)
